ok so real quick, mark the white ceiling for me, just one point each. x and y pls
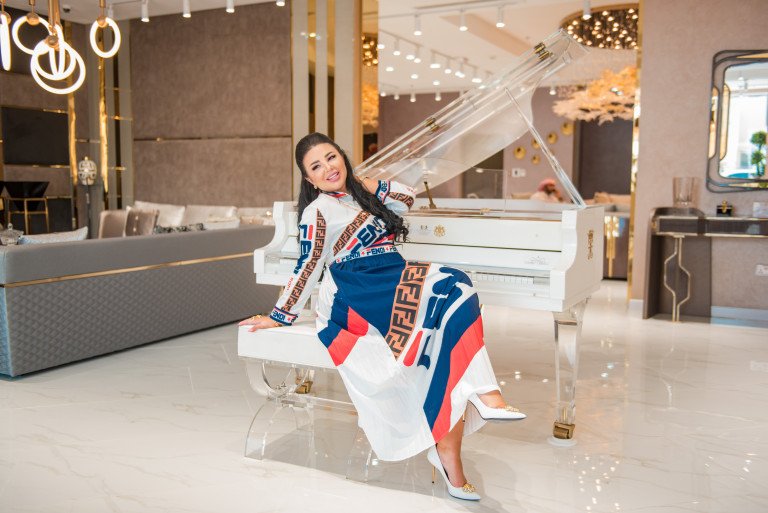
(484, 45)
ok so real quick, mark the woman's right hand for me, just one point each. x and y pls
(258, 322)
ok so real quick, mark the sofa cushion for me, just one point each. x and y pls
(201, 213)
(169, 215)
(221, 223)
(140, 222)
(112, 223)
(45, 238)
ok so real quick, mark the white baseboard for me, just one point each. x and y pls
(745, 314)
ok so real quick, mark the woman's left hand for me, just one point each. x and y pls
(257, 322)
(370, 184)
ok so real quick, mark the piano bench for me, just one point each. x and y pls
(281, 364)
(296, 346)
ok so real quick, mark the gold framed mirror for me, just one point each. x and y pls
(737, 122)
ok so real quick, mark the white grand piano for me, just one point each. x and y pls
(519, 253)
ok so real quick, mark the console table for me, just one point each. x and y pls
(669, 270)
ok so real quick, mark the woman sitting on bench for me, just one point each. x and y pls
(407, 337)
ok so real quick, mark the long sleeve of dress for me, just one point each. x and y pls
(396, 197)
(314, 249)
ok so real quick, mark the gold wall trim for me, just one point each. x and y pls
(125, 270)
(41, 109)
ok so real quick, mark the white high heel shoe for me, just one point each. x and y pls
(488, 413)
(466, 492)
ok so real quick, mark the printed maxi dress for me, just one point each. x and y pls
(407, 337)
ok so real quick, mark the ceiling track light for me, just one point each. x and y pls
(230, 6)
(417, 57)
(396, 96)
(462, 21)
(434, 64)
(417, 25)
(500, 17)
(552, 90)
(475, 77)
(280, 3)
(413, 97)
(587, 13)
(145, 11)
(185, 9)
(396, 50)
(438, 97)
(447, 69)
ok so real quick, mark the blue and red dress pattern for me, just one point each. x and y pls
(407, 337)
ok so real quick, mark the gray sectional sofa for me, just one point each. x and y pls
(67, 301)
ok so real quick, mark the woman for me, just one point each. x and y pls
(407, 337)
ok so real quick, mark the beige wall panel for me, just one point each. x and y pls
(57, 178)
(213, 75)
(240, 172)
(22, 91)
(679, 40)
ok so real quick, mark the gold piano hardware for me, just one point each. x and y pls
(431, 123)
(429, 195)
(590, 244)
(542, 52)
(563, 431)
(303, 388)
(439, 230)
(611, 234)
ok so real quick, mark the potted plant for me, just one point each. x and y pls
(758, 156)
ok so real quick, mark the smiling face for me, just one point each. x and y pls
(325, 168)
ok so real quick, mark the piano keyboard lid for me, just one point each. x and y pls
(479, 124)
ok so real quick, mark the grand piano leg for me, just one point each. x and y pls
(567, 334)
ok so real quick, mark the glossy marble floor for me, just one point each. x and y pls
(671, 418)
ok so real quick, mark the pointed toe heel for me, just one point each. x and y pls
(488, 413)
(466, 492)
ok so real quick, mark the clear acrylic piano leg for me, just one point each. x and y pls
(567, 335)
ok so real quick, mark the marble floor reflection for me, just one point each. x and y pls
(671, 418)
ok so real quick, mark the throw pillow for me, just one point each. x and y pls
(198, 227)
(170, 215)
(45, 238)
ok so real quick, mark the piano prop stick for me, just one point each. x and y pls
(519, 253)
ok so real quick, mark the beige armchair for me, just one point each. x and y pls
(112, 223)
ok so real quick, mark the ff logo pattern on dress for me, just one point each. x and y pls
(317, 252)
(406, 305)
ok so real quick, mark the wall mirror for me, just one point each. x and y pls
(738, 121)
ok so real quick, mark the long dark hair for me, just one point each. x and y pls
(365, 199)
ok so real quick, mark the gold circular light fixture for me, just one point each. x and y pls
(612, 27)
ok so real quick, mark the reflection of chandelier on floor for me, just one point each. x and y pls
(611, 27)
(64, 64)
(607, 98)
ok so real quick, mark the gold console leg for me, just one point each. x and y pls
(677, 256)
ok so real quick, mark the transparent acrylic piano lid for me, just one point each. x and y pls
(478, 124)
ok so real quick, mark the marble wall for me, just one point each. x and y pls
(679, 41)
(212, 107)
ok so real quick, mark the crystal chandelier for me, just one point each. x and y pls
(370, 50)
(612, 27)
(63, 71)
(610, 97)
